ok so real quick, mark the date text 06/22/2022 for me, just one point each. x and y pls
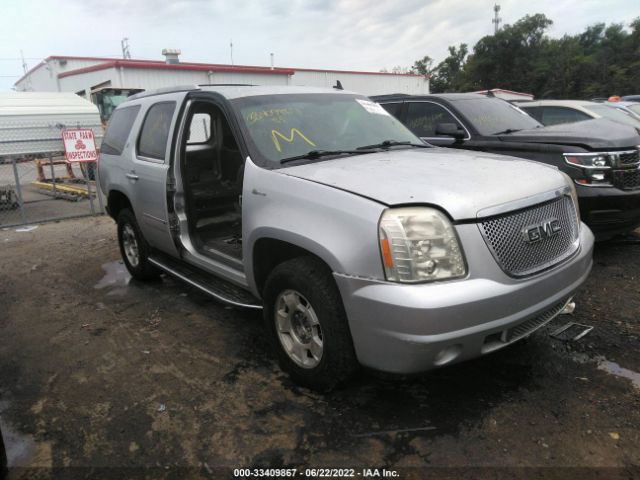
(314, 473)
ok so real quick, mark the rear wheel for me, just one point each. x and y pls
(307, 325)
(134, 248)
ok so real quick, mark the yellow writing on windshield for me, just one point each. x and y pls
(277, 136)
(275, 114)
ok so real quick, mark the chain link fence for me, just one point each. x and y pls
(46, 188)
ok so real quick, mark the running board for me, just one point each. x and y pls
(221, 290)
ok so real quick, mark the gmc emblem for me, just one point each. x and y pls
(541, 231)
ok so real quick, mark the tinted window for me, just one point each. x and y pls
(614, 114)
(492, 115)
(118, 129)
(557, 115)
(423, 117)
(535, 112)
(392, 108)
(155, 130)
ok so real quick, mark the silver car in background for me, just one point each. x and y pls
(361, 244)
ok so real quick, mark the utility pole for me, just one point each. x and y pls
(496, 18)
(24, 64)
(124, 43)
(231, 49)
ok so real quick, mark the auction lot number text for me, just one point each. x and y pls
(314, 473)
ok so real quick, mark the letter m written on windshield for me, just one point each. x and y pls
(277, 136)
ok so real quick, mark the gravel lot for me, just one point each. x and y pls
(100, 374)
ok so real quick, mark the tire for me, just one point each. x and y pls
(134, 248)
(309, 282)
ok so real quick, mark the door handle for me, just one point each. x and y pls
(131, 176)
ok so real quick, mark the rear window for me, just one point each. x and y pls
(490, 116)
(120, 123)
(155, 130)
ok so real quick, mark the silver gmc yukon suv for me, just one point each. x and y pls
(362, 244)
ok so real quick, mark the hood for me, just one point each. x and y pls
(460, 182)
(596, 134)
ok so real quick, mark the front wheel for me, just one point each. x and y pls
(305, 319)
(134, 248)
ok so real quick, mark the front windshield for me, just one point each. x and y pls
(614, 114)
(492, 115)
(635, 108)
(289, 125)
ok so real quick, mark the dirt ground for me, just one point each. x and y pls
(104, 376)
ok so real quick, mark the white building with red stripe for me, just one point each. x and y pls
(82, 75)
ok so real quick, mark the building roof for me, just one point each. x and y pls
(190, 66)
(44, 103)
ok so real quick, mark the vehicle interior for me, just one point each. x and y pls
(213, 170)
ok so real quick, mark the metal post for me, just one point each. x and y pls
(53, 176)
(85, 174)
(98, 192)
(19, 190)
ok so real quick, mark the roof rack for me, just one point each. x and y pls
(160, 91)
(185, 88)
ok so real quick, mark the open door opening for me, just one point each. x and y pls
(213, 170)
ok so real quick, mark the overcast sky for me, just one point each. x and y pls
(332, 34)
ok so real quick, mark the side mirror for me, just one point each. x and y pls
(450, 130)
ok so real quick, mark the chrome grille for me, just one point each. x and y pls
(627, 179)
(630, 157)
(505, 238)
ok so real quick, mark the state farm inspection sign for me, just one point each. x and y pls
(79, 145)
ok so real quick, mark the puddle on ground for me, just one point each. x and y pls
(116, 278)
(20, 448)
(614, 369)
(608, 366)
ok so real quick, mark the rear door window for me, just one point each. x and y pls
(118, 129)
(558, 115)
(423, 117)
(155, 130)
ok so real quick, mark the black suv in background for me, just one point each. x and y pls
(602, 157)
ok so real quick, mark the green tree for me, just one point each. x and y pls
(423, 66)
(447, 76)
(599, 62)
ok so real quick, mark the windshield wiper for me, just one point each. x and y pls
(313, 154)
(392, 143)
(507, 131)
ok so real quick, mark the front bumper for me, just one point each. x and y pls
(609, 211)
(411, 328)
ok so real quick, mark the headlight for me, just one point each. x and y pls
(419, 244)
(588, 160)
(595, 168)
(574, 194)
